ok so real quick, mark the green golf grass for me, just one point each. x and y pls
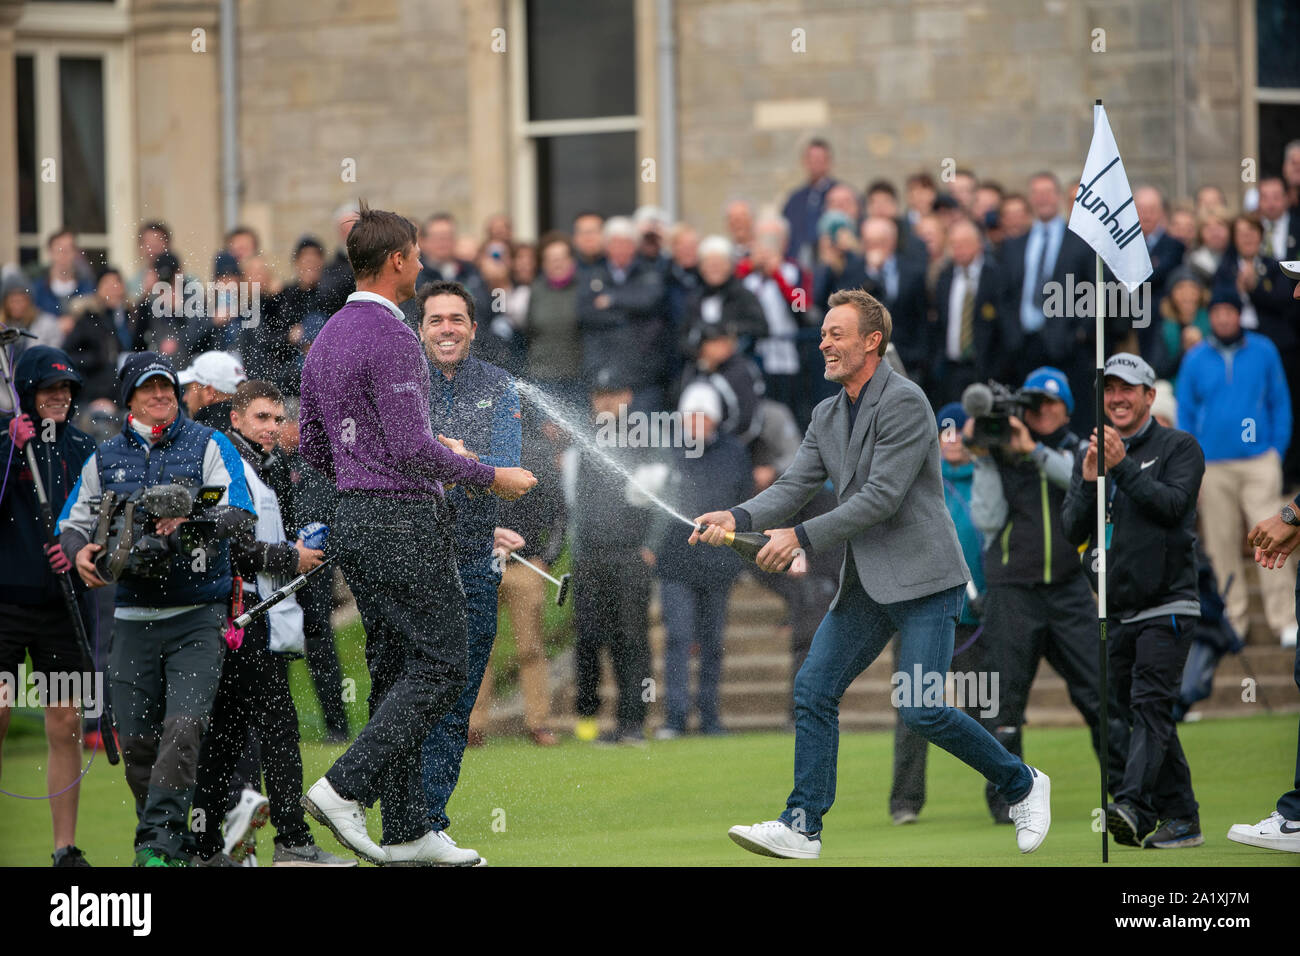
(670, 803)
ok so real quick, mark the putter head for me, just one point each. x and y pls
(563, 593)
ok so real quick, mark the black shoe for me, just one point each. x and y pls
(1122, 822)
(69, 856)
(1176, 834)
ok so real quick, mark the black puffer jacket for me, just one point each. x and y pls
(25, 575)
(1152, 555)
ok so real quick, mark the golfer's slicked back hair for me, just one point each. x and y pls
(872, 315)
(251, 390)
(376, 236)
(445, 287)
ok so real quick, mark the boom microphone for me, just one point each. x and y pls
(977, 400)
(167, 501)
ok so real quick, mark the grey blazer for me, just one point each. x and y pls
(887, 479)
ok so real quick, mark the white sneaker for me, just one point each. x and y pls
(1033, 815)
(776, 838)
(346, 819)
(249, 814)
(1289, 636)
(435, 848)
(1275, 832)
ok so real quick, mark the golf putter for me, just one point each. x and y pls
(562, 582)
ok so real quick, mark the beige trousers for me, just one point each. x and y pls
(1234, 495)
(522, 592)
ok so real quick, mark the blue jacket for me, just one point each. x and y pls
(479, 406)
(957, 481)
(25, 575)
(188, 453)
(1234, 400)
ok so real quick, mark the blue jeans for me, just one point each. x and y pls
(850, 637)
(692, 615)
(445, 746)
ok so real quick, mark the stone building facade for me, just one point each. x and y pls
(424, 104)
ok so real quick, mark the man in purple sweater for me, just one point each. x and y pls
(365, 424)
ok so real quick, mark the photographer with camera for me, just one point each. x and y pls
(34, 615)
(1039, 603)
(173, 587)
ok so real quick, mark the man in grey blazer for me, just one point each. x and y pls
(877, 443)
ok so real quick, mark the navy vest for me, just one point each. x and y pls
(464, 408)
(125, 464)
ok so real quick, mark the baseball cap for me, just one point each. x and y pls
(701, 397)
(138, 369)
(1052, 383)
(951, 415)
(221, 370)
(1291, 268)
(1128, 367)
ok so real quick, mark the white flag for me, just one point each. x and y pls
(1103, 215)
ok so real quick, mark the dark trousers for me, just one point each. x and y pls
(1025, 623)
(611, 601)
(399, 560)
(911, 748)
(1291, 462)
(165, 675)
(444, 748)
(1146, 662)
(1289, 803)
(317, 602)
(693, 615)
(253, 695)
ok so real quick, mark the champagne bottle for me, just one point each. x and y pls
(747, 544)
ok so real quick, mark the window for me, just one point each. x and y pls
(576, 115)
(1277, 87)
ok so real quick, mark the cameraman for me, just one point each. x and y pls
(167, 644)
(33, 612)
(1039, 603)
(1155, 476)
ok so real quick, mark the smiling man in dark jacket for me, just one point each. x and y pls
(33, 615)
(1155, 476)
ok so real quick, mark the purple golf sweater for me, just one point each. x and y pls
(365, 409)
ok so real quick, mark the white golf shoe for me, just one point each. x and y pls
(775, 838)
(1275, 832)
(1033, 815)
(435, 848)
(346, 819)
(249, 814)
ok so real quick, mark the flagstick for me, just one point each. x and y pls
(1103, 756)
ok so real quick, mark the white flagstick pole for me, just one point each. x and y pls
(1103, 684)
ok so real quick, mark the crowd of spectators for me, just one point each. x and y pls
(972, 271)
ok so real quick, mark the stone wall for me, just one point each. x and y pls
(1004, 87)
(381, 83)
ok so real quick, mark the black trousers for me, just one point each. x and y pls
(1146, 662)
(317, 601)
(399, 559)
(611, 604)
(253, 696)
(1025, 623)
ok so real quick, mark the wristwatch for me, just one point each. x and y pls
(1289, 516)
